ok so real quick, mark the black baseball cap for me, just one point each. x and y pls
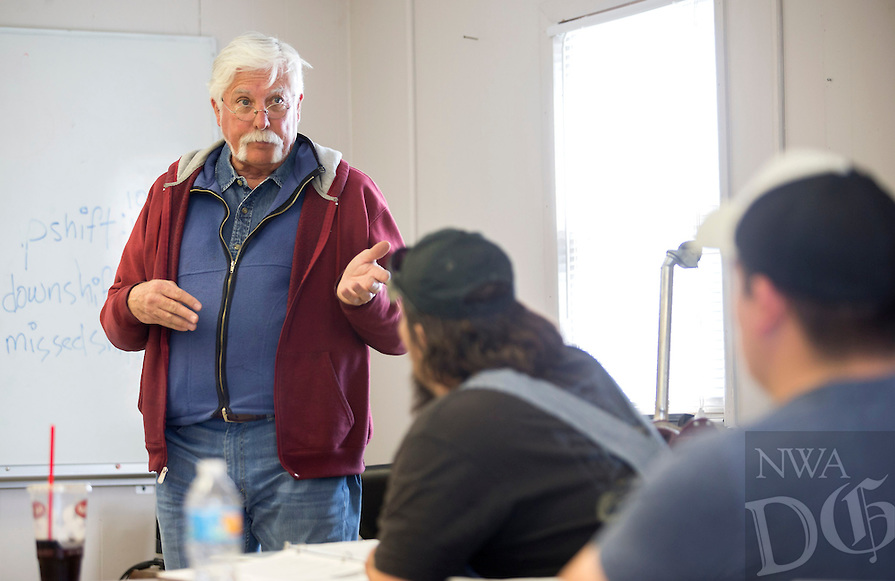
(819, 227)
(445, 273)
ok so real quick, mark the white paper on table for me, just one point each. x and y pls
(344, 561)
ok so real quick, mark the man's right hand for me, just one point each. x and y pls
(162, 302)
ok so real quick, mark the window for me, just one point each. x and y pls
(637, 168)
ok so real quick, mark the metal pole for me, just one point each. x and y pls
(664, 356)
(687, 255)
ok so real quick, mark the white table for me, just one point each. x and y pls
(344, 561)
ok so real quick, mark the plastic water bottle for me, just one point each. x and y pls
(214, 520)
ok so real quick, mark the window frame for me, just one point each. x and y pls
(600, 11)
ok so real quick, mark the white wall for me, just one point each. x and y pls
(384, 146)
(451, 119)
(805, 73)
(840, 78)
(447, 105)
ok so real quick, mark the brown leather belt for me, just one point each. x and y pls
(232, 418)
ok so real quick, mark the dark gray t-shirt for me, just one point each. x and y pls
(486, 483)
(749, 501)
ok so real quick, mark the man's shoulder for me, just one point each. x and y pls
(858, 404)
(190, 162)
(720, 452)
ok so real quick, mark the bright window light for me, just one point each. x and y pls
(637, 170)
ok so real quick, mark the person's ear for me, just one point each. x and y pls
(770, 307)
(217, 111)
(419, 335)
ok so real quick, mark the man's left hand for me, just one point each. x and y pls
(363, 277)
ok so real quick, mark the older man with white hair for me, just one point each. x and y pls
(252, 284)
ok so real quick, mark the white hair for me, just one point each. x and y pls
(254, 51)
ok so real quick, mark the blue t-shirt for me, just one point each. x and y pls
(807, 493)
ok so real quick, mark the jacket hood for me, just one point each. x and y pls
(328, 158)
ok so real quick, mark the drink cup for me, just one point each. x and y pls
(60, 525)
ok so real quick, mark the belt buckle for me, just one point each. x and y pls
(231, 418)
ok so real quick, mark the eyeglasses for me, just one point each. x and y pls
(246, 112)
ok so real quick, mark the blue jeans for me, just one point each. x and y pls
(278, 508)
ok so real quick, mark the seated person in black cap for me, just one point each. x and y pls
(527, 444)
(807, 492)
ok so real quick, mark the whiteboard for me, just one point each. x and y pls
(91, 120)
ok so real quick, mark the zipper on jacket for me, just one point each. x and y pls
(219, 379)
(221, 343)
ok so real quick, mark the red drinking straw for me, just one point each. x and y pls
(50, 491)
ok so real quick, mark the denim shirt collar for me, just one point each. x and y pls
(225, 174)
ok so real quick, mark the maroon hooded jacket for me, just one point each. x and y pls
(321, 380)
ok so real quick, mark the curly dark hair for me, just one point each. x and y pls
(515, 338)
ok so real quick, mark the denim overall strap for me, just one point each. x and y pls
(619, 438)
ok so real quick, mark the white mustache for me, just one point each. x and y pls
(260, 136)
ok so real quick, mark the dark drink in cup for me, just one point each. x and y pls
(59, 561)
(60, 528)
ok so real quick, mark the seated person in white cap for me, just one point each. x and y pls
(806, 492)
(502, 473)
